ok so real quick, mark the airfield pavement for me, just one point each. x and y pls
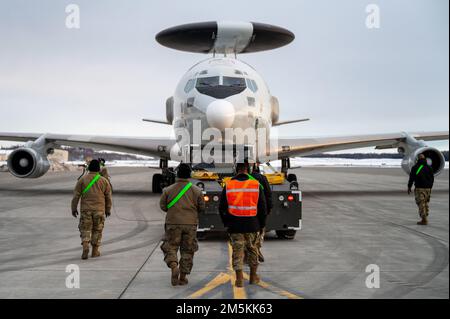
(352, 218)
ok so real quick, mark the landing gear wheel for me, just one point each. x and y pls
(292, 178)
(156, 183)
(286, 234)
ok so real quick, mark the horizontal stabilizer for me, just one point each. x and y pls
(289, 122)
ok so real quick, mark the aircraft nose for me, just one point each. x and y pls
(220, 114)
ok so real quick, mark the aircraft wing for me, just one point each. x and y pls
(291, 147)
(155, 147)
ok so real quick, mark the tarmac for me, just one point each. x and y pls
(352, 218)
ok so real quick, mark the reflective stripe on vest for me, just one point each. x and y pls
(180, 194)
(242, 197)
(94, 180)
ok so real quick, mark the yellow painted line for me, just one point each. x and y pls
(220, 279)
(275, 290)
(238, 293)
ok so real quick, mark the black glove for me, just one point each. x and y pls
(108, 214)
(75, 214)
(409, 190)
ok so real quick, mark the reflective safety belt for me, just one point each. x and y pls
(183, 191)
(94, 180)
(254, 179)
(420, 168)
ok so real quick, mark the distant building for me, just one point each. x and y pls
(4, 155)
(59, 156)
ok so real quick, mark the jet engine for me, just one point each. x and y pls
(169, 110)
(27, 163)
(275, 113)
(434, 157)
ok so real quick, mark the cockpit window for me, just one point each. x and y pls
(234, 82)
(211, 86)
(189, 85)
(207, 82)
(251, 84)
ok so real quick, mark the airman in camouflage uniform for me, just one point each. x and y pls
(181, 225)
(95, 206)
(422, 177)
(244, 217)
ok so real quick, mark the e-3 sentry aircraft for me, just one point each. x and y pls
(221, 92)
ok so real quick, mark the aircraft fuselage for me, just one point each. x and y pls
(222, 93)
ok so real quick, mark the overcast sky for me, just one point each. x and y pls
(106, 76)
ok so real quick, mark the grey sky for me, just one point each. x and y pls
(106, 76)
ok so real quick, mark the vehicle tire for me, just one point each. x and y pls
(286, 234)
(292, 178)
(156, 183)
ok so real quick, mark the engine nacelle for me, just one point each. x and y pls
(434, 157)
(169, 110)
(27, 163)
(275, 112)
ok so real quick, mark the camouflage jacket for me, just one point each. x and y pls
(97, 199)
(185, 211)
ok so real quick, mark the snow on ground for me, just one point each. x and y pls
(144, 161)
(305, 162)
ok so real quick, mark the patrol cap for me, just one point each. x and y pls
(184, 171)
(94, 166)
(241, 167)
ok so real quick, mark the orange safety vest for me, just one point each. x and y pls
(242, 197)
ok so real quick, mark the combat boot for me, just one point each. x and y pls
(424, 221)
(254, 278)
(239, 279)
(85, 250)
(183, 280)
(95, 251)
(175, 273)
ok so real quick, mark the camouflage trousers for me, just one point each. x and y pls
(91, 227)
(423, 196)
(259, 242)
(244, 244)
(183, 238)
